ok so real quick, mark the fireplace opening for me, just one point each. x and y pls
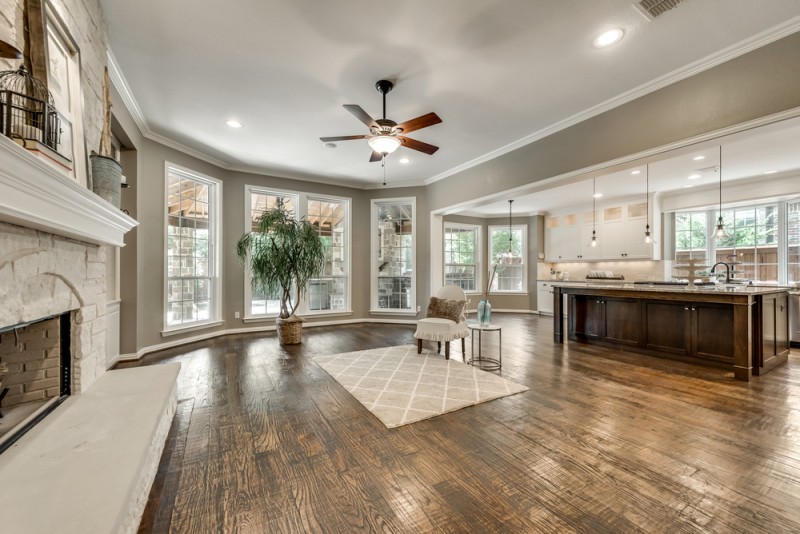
(35, 373)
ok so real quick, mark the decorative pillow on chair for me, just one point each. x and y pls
(446, 309)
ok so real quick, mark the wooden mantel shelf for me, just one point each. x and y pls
(35, 195)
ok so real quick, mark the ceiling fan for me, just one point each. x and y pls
(386, 136)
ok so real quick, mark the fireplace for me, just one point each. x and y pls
(35, 369)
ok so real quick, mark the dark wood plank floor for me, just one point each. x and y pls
(604, 441)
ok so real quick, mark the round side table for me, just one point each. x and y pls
(481, 362)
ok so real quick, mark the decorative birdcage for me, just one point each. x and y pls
(27, 110)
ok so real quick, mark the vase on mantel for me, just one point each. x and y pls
(484, 312)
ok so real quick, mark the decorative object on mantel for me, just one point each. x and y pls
(106, 171)
(647, 238)
(283, 254)
(719, 231)
(28, 114)
(691, 267)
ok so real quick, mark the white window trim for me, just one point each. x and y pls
(215, 203)
(301, 201)
(479, 274)
(524, 228)
(373, 266)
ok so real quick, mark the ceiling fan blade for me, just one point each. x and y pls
(342, 138)
(361, 115)
(420, 122)
(376, 156)
(413, 144)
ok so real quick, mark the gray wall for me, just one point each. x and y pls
(760, 83)
(757, 84)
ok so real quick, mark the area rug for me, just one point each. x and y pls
(400, 386)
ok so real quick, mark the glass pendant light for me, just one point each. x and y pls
(593, 242)
(508, 257)
(719, 231)
(647, 239)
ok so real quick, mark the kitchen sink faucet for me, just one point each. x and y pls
(727, 271)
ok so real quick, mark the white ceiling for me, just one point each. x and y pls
(745, 156)
(495, 71)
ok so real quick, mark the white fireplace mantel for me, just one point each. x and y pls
(35, 195)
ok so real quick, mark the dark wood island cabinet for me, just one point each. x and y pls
(744, 327)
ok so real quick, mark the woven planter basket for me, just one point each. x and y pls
(289, 330)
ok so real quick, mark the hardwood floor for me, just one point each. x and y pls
(604, 441)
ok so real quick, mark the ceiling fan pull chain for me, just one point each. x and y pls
(383, 164)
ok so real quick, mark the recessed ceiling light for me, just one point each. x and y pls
(688, 186)
(698, 158)
(608, 38)
(598, 195)
(233, 124)
(405, 161)
(773, 171)
(636, 172)
(693, 176)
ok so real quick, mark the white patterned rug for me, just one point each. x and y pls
(400, 386)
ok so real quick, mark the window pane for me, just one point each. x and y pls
(189, 219)
(329, 218)
(510, 275)
(461, 260)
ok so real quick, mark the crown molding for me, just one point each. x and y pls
(748, 45)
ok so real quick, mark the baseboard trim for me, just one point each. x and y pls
(134, 356)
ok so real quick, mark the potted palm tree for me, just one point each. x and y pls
(283, 254)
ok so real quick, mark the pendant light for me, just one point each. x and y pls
(647, 239)
(508, 256)
(593, 242)
(719, 231)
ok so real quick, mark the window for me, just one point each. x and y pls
(192, 214)
(393, 286)
(793, 241)
(752, 242)
(257, 303)
(330, 291)
(510, 275)
(691, 235)
(461, 253)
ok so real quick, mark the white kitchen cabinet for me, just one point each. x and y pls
(619, 228)
(544, 297)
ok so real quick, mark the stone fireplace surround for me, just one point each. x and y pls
(110, 432)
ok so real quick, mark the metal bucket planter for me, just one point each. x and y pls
(106, 178)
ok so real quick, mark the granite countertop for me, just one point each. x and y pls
(722, 288)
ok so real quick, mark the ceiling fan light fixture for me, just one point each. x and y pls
(384, 144)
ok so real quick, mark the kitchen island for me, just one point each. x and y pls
(745, 328)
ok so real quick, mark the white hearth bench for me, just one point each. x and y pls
(88, 466)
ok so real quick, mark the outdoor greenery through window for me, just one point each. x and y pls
(461, 266)
(191, 234)
(511, 268)
(753, 243)
(328, 292)
(691, 236)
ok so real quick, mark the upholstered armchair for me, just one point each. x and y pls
(445, 321)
